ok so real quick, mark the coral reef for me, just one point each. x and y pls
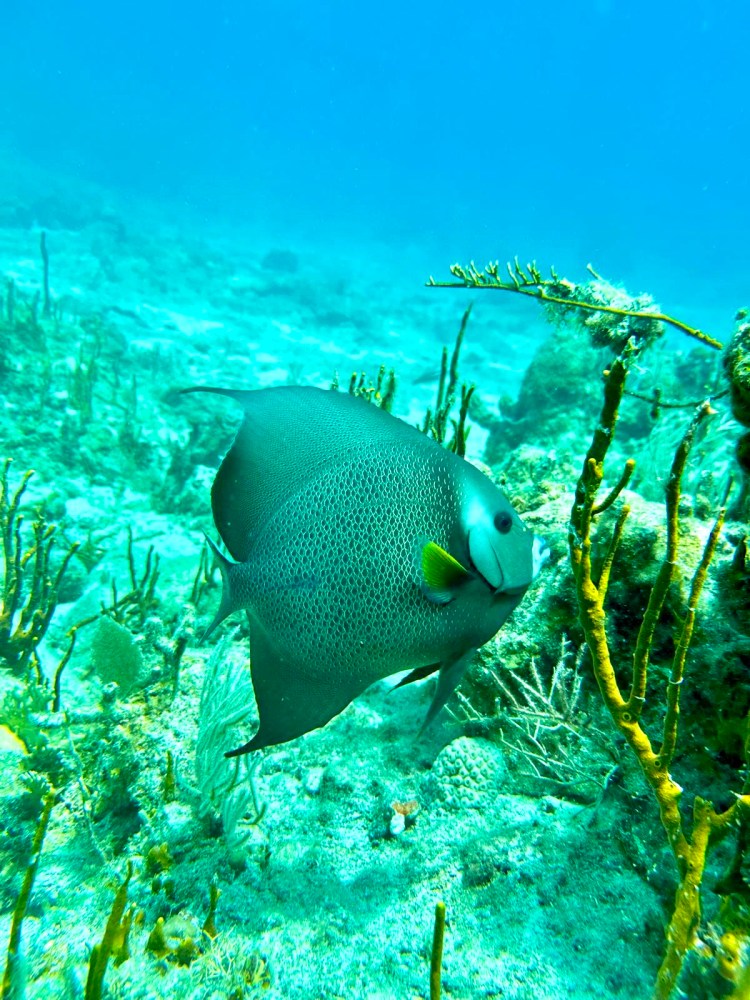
(629, 709)
(164, 869)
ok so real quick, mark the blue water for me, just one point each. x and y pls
(605, 131)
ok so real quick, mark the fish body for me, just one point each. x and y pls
(360, 548)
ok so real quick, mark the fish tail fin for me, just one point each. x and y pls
(227, 604)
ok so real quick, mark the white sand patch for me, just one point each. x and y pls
(186, 324)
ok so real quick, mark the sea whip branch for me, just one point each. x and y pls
(555, 291)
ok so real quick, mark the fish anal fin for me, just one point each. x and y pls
(292, 699)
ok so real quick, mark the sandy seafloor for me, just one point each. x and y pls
(546, 895)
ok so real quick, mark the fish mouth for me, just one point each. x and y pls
(491, 572)
(497, 586)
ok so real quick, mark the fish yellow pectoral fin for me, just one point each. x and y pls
(441, 574)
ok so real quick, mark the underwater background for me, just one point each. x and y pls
(256, 195)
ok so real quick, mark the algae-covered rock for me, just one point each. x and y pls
(737, 369)
(559, 390)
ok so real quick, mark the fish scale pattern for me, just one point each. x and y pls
(336, 569)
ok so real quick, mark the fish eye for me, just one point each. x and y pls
(503, 522)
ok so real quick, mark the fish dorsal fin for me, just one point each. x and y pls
(288, 436)
(290, 702)
(442, 575)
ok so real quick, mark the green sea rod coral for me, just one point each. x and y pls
(436, 960)
(439, 418)
(13, 983)
(114, 942)
(30, 581)
(709, 825)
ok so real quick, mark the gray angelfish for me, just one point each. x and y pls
(360, 548)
